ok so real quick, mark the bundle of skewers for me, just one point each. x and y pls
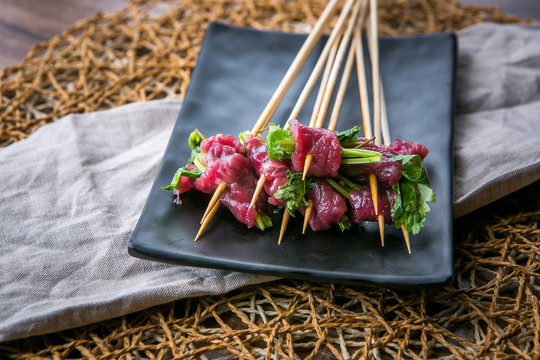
(331, 178)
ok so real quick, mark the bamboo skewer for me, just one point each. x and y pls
(207, 220)
(333, 54)
(307, 215)
(383, 119)
(335, 114)
(284, 222)
(297, 63)
(324, 83)
(258, 189)
(328, 54)
(374, 54)
(334, 74)
(329, 50)
(362, 86)
(342, 89)
(326, 90)
(285, 83)
(220, 189)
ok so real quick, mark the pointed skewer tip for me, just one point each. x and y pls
(307, 215)
(258, 189)
(406, 237)
(381, 228)
(307, 164)
(284, 222)
(220, 189)
(207, 220)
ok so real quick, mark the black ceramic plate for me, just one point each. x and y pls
(237, 72)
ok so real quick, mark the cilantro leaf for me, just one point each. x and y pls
(414, 168)
(413, 194)
(293, 192)
(347, 135)
(280, 143)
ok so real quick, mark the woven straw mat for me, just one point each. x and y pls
(490, 309)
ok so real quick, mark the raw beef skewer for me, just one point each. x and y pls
(297, 63)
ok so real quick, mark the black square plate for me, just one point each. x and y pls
(237, 71)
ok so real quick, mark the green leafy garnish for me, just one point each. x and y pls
(280, 143)
(414, 168)
(195, 139)
(293, 192)
(243, 135)
(182, 172)
(347, 135)
(413, 194)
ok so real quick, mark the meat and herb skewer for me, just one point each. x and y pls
(315, 171)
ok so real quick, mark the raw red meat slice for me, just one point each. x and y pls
(328, 206)
(362, 204)
(275, 172)
(405, 147)
(224, 161)
(322, 144)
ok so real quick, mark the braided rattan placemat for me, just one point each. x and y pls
(490, 309)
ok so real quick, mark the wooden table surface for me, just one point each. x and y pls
(24, 23)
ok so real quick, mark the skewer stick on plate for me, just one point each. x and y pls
(328, 90)
(207, 220)
(386, 132)
(297, 63)
(284, 222)
(258, 189)
(362, 85)
(335, 114)
(328, 55)
(307, 215)
(329, 50)
(364, 102)
(220, 189)
(291, 73)
(374, 53)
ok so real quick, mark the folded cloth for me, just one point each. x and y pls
(70, 198)
(497, 125)
(73, 191)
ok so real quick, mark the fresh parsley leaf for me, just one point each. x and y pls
(280, 143)
(182, 172)
(413, 194)
(414, 168)
(293, 192)
(347, 135)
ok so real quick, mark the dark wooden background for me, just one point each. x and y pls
(24, 23)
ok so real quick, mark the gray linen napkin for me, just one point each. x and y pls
(497, 128)
(70, 198)
(72, 192)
